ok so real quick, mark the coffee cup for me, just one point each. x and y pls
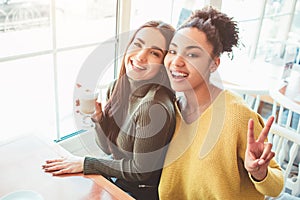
(87, 101)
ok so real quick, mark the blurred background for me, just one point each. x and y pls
(44, 43)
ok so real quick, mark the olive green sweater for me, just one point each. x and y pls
(205, 159)
(142, 141)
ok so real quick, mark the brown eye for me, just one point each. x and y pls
(156, 54)
(137, 44)
(192, 55)
(171, 52)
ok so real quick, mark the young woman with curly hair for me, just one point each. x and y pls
(219, 149)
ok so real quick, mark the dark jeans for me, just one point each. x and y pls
(137, 191)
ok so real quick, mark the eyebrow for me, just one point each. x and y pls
(141, 41)
(152, 47)
(189, 47)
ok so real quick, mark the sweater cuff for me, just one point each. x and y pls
(91, 166)
(87, 165)
(256, 181)
(97, 166)
(271, 185)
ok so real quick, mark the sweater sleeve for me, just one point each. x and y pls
(153, 127)
(272, 185)
(100, 137)
(101, 126)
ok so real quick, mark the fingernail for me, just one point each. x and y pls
(260, 162)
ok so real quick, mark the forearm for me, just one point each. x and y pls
(122, 169)
(101, 138)
(143, 163)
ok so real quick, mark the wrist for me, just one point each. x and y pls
(96, 118)
(259, 175)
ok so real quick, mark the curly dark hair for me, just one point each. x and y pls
(221, 31)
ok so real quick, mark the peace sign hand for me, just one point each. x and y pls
(258, 153)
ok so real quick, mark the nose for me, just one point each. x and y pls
(141, 55)
(178, 61)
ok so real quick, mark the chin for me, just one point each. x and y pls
(181, 87)
(177, 88)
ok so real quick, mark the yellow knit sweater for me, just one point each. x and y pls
(205, 159)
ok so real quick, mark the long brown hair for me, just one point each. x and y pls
(115, 110)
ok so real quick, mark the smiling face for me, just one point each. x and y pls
(188, 61)
(144, 57)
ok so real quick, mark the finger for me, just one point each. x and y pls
(98, 107)
(53, 168)
(252, 155)
(265, 154)
(269, 157)
(60, 172)
(250, 133)
(265, 131)
(266, 151)
(253, 165)
(55, 160)
(51, 164)
(54, 163)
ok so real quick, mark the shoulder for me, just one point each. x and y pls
(231, 104)
(236, 103)
(157, 97)
(162, 96)
(239, 112)
(111, 87)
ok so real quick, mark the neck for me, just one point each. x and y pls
(195, 102)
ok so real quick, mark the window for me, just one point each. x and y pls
(45, 43)
(264, 26)
(43, 47)
(142, 11)
(24, 27)
(27, 100)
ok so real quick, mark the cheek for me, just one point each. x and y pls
(131, 52)
(201, 65)
(155, 68)
(128, 55)
(201, 71)
(167, 61)
(152, 60)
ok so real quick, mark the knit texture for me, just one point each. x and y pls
(141, 144)
(205, 159)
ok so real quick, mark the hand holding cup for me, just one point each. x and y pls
(97, 115)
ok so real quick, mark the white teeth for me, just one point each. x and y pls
(134, 64)
(178, 74)
(139, 67)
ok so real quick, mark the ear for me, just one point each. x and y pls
(214, 64)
